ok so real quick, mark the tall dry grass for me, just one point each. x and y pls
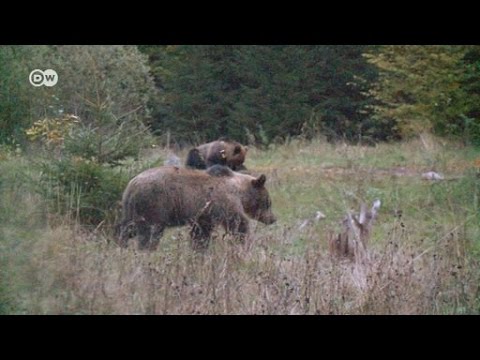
(83, 273)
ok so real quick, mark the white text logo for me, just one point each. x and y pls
(48, 77)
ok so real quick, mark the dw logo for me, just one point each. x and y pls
(48, 77)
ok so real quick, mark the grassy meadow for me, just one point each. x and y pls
(424, 249)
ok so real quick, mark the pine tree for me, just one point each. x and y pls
(468, 123)
(261, 93)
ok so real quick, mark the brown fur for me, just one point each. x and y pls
(221, 152)
(170, 196)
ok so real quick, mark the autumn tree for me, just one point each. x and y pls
(419, 87)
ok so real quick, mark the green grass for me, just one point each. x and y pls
(424, 261)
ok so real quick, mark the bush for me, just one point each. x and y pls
(82, 178)
(83, 189)
(95, 80)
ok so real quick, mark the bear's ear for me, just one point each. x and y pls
(237, 150)
(245, 148)
(258, 183)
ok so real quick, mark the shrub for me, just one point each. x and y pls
(83, 178)
(83, 189)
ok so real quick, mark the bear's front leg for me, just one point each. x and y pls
(238, 225)
(200, 233)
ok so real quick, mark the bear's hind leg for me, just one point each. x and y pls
(149, 236)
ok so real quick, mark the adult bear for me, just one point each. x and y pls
(171, 196)
(220, 152)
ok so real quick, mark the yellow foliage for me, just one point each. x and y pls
(52, 131)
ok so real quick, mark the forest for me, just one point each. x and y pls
(333, 127)
(359, 93)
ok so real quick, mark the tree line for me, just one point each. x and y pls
(254, 94)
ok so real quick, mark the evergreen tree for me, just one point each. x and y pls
(260, 92)
(198, 88)
(468, 101)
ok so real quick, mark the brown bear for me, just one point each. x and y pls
(171, 196)
(220, 152)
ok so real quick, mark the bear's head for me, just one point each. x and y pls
(256, 202)
(234, 154)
